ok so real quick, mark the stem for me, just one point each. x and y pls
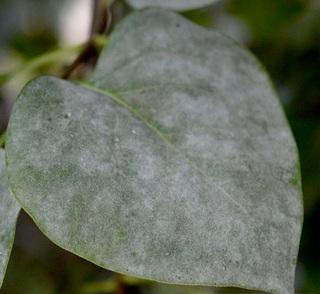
(120, 284)
(57, 55)
(108, 286)
(2, 139)
(112, 285)
(101, 20)
(47, 58)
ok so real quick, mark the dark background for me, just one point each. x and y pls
(283, 34)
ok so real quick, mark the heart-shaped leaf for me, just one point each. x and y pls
(171, 4)
(9, 210)
(175, 163)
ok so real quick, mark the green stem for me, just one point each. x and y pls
(112, 286)
(108, 286)
(2, 139)
(58, 55)
(120, 284)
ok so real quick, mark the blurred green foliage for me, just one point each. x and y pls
(267, 18)
(283, 34)
(34, 44)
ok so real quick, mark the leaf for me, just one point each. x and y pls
(9, 210)
(174, 163)
(171, 4)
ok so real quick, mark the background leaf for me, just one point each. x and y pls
(171, 4)
(175, 174)
(9, 210)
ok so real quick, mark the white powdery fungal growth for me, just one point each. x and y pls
(8, 215)
(176, 163)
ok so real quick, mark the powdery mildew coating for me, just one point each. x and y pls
(9, 210)
(175, 163)
(171, 4)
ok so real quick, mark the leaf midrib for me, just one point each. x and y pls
(117, 98)
(120, 101)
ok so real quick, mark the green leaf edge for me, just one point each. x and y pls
(13, 234)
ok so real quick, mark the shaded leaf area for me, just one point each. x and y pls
(171, 4)
(175, 174)
(9, 210)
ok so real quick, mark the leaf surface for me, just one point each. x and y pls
(9, 210)
(171, 4)
(174, 163)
